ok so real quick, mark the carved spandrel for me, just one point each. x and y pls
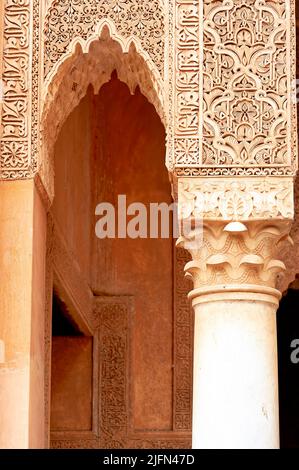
(77, 18)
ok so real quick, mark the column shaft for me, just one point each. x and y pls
(235, 400)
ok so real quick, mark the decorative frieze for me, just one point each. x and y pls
(236, 199)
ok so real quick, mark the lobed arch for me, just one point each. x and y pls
(91, 62)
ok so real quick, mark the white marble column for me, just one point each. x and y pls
(235, 394)
(235, 391)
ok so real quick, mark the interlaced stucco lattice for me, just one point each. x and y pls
(67, 20)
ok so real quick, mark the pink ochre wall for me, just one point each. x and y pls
(129, 156)
(113, 143)
(22, 245)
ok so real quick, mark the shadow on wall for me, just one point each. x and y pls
(288, 330)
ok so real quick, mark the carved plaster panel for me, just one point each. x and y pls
(224, 70)
(16, 73)
(233, 100)
(137, 19)
(233, 199)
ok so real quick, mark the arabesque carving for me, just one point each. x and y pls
(231, 104)
(16, 114)
(72, 78)
(66, 21)
(235, 109)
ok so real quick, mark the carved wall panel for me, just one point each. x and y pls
(20, 77)
(16, 115)
(113, 321)
(231, 106)
(184, 90)
(79, 18)
(183, 346)
(235, 108)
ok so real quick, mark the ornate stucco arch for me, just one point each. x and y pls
(91, 61)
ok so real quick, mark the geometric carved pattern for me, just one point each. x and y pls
(241, 85)
(112, 316)
(65, 21)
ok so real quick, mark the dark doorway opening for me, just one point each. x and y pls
(71, 373)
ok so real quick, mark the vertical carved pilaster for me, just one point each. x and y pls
(183, 347)
(16, 115)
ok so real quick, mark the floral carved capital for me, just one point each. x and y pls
(235, 231)
(236, 256)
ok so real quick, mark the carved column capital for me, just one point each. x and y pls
(236, 234)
